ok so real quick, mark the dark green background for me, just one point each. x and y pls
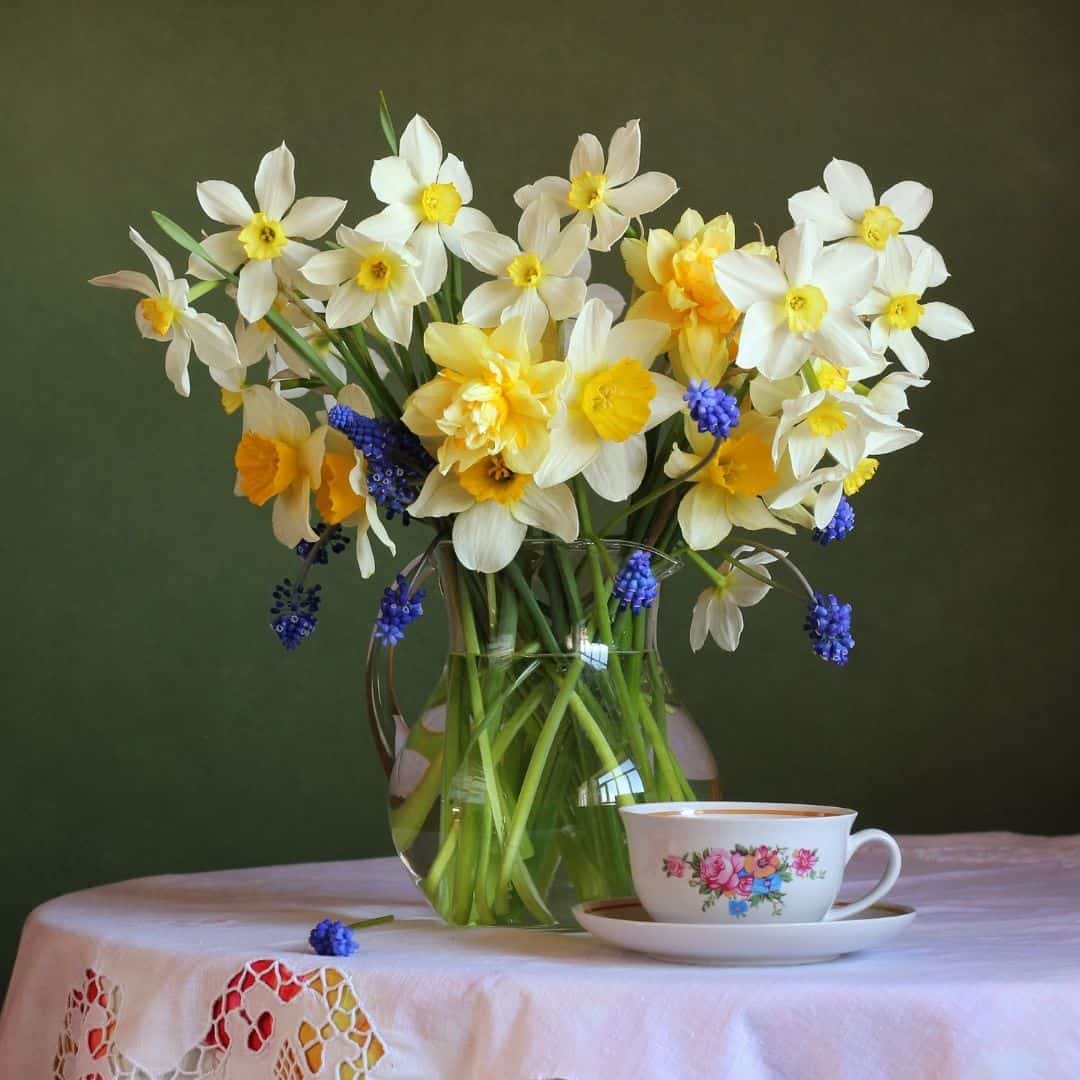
(152, 723)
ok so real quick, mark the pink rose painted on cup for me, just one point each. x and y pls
(803, 861)
(674, 866)
(719, 871)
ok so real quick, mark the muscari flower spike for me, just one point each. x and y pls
(296, 608)
(842, 524)
(635, 585)
(396, 610)
(714, 411)
(332, 938)
(828, 622)
(337, 543)
(397, 462)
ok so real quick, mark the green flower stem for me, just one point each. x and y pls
(363, 924)
(485, 913)
(535, 770)
(532, 607)
(560, 618)
(599, 744)
(719, 579)
(203, 287)
(810, 375)
(433, 882)
(509, 731)
(377, 389)
(569, 582)
(407, 819)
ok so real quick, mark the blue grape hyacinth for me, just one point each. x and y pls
(332, 938)
(296, 608)
(841, 525)
(396, 610)
(828, 622)
(635, 584)
(714, 411)
(397, 462)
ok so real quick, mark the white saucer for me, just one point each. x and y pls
(625, 923)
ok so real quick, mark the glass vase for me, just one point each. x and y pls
(552, 711)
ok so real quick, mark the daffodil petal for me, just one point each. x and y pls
(618, 469)
(223, 202)
(421, 147)
(487, 537)
(312, 217)
(850, 186)
(176, 363)
(910, 201)
(643, 194)
(275, 183)
(486, 303)
(393, 181)
(550, 509)
(944, 322)
(257, 289)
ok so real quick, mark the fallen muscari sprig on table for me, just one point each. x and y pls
(329, 937)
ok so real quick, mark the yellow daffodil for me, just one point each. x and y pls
(494, 507)
(493, 395)
(264, 241)
(164, 315)
(674, 271)
(279, 457)
(605, 193)
(342, 498)
(607, 401)
(726, 492)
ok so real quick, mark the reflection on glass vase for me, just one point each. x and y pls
(552, 710)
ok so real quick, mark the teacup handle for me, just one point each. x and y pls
(886, 882)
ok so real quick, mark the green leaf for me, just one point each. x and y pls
(181, 236)
(202, 288)
(386, 122)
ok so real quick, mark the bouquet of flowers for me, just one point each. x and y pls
(727, 390)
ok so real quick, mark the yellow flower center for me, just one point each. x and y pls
(492, 479)
(263, 238)
(830, 376)
(805, 307)
(526, 271)
(692, 267)
(904, 312)
(587, 190)
(877, 225)
(335, 498)
(862, 474)
(159, 312)
(742, 466)
(231, 400)
(616, 400)
(266, 467)
(375, 274)
(827, 419)
(439, 203)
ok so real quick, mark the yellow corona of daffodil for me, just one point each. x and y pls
(279, 457)
(726, 491)
(493, 395)
(342, 498)
(674, 271)
(493, 507)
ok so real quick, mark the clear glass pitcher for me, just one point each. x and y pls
(552, 710)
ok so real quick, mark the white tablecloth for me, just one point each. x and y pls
(208, 976)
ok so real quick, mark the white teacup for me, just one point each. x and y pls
(744, 862)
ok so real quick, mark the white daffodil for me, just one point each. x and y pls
(821, 489)
(607, 194)
(718, 611)
(608, 399)
(834, 422)
(896, 305)
(279, 457)
(846, 206)
(342, 498)
(263, 241)
(494, 508)
(768, 395)
(427, 201)
(801, 304)
(372, 277)
(535, 277)
(727, 490)
(164, 315)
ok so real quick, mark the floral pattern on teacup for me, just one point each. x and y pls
(745, 877)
